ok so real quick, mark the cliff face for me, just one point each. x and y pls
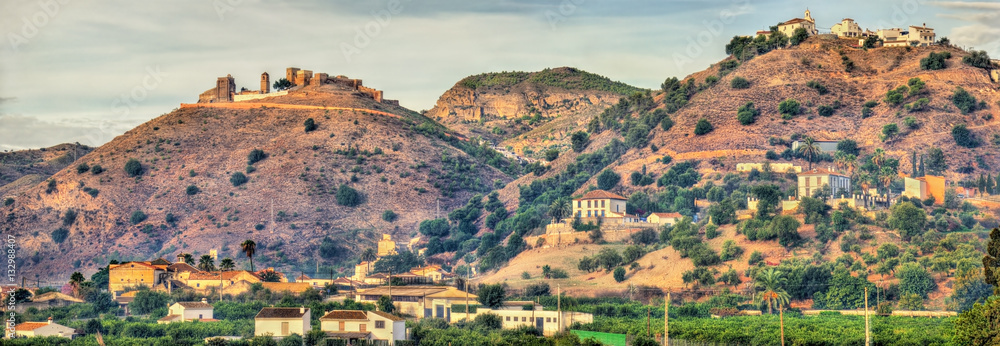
(527, 112)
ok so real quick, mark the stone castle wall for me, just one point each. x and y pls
(248, 97)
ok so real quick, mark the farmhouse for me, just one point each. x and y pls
(816, 179)
(188, 311)
(282, 322)
(48, 328)
(353, 325)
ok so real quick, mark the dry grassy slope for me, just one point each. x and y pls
(299, 176)
(22, 169)
(565, 110)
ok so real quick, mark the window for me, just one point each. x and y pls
(379, 324)
(602, 204)
(362, 327)
(524, 319)
(578, 204)
(548, 319)
(588, 213)
(508, 318)
(341, 326)
(199, 316)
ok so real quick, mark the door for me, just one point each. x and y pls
(341, 326)
(540, 324)
(284, 328)
(439, 311)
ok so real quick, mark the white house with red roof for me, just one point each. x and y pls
(188, 311)
(48, 328)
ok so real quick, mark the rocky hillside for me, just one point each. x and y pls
(188, 194)
(20, 170)
(530, 111)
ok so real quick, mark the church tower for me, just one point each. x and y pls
(265, 83)
(809, 16)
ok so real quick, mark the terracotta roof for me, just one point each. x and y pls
(411, 291)
(796, 21)
(195, 305)
(387, 316)
(452, 293)
(600, 194)
(29, 326)
(160, 261)
(820, 171)
(142, 264)
(303, 277)
(169, 318)
(280, 313)
(294, 287)
(182, 267)
(344, 315)
(677, 215)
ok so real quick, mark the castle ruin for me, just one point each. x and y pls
(225, 87)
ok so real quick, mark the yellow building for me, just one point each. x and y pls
(788, 28)
(206, 280)
(386, 246)
(811, 181)
(664, 218)
(124, 276)
(599, 203)
(847, 28)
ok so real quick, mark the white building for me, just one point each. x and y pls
(788, 28)
(811, 181)
(354, 325)
(282, 322)
(912, 36)
(514, 315)
(188, 311)
(847, 28)
(48, 328)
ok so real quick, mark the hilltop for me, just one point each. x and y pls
(527, 111)
(186, 200)
(22, 169)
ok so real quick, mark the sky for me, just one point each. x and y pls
(75, 71)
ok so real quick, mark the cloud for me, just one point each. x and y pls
(968, 5)
(23, 132)
(7, 99)
(982, 33)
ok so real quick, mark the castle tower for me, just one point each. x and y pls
(809, 16)
(265, 83)
(290, 74)
(225, 87)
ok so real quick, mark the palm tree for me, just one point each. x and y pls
(850, 163)
(188, 258)
(369, 255)
(768, 284)
(227, 264)
(206, 263)
(885, 177)
(249, 248)
(811, 149)
(270, 276)
(879, 158)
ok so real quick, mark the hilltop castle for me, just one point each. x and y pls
(225, 87)
(848, 29)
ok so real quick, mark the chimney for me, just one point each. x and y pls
(50, 320)
(204, 300)
(302, 310)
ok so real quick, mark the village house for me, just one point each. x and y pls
(664, 218)
(129, 275)
(386, 246)
(282, 322)
(48, 328)
(847, 28)
(205, 280)
(419, 301)
(599, 203)
(816, 179)
(808, 23)
(353, 325)
(188, 311)
(432, 273)
(517, 314)
(924, 187)
(912, 36)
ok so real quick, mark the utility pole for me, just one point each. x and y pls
(666, 320)
(868, 340)
(781, 319)
(467, 293)
(559, 306)
(647, 321)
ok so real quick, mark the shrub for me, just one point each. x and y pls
(238, 179)
(889, 131)
(389, 216)
(896, 96)
(82, 168)
(96, 169)
(871, 104)
(825, 110)
(192, 190)
(911, 122)
(789, 107)
(619, 274)
(579, 140)
(739, 83)
(348, 197)
(310, 125)
(60, 235)
(70, 217)
(978, 58)
(818, 86)
(133, 168)
(666, 124)
(255, 156)
(963, 136)
(964, 101)
(747, 114)
(866, 112)
(703, 127)
(608, 180)
(918, 105)
(935, 61)
(551, 154)
(137, 217)
(798, 36)
(7, 202)
(755, 257)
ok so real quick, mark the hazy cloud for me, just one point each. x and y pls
(22, 132)
(983, 33)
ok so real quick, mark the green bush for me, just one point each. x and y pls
(789, 107)
(608, 179)
(133, 168)
(82, 168)
(619, 274)
(896, 96)
(964, 101)
(389, 216)
(238, 179)
(310, 125)
(703, 127)
(911, 122)
(747, 114)
(348, 197)
(551, 154)
(7, 202)
(866, 112)
(60, 235)
(137, 217)
(255, 156)
(739, 83)
(579, 140)
(818, 86)
(978, 58)
(935, 61)
(825, 110)
(192, 190)
(964, 137)
(96, 169)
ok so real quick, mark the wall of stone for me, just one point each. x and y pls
(238, 98)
